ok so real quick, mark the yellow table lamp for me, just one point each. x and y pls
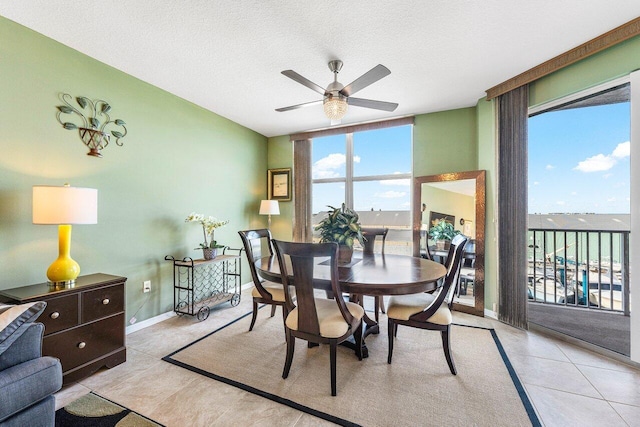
(64, 206)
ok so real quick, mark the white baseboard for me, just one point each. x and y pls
(164, 316)
(491, 314)
(152, 321)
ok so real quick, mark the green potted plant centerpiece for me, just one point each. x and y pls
(442, 232)
(341, 226)
(209, 225)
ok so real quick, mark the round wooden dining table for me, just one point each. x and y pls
(375, 274)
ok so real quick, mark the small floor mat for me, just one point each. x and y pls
(95, 411)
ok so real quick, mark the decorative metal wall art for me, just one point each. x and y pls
(96, 128)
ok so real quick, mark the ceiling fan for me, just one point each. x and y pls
(337, 97)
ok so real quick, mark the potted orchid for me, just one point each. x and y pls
(209, 225)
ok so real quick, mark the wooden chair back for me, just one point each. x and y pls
(370, 234)
(254, 241)
(445, 293)
(469, 254)
(297, 263)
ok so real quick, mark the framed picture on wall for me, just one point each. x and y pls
(279, 184)
(434, 217)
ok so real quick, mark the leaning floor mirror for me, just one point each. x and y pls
(453, 202)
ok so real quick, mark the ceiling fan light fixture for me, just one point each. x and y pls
(335, 107)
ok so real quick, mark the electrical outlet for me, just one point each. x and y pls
(146, 286)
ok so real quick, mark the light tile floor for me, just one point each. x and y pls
(567, 385)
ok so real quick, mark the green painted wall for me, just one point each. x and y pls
(177, 158)
(447, 202)
(445, 142)
(280, 156)
(485, 111)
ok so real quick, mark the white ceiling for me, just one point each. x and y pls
(226, 56)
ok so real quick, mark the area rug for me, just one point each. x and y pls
(92, 410)
(417, 389)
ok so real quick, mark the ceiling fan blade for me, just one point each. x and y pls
(370, 103)
(371, 76)
(303, 81)
(295, 107)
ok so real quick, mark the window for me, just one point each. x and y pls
(369, 171)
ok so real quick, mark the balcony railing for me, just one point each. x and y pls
(586, 268)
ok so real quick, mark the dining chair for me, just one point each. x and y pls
(429, 311)
(467, 269)
(264, 292)
(316, 320)
(370, 234)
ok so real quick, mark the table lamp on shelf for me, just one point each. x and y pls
(64, 206)
(269, 207)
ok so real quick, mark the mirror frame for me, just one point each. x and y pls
(479, 176)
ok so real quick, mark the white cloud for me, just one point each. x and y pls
(536, 183)
(611, 199)
(603, 162)
(560, 202)
(549, 167)
(574, 193)
(327, 166)
(622, 150)
(391, 194)
(400, 182)
(597, 163)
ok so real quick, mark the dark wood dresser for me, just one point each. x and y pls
(84, 324)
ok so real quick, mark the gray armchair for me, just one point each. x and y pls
(28, 381)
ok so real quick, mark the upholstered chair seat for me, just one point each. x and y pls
(332, 324)
(275, 289)
(402, 307)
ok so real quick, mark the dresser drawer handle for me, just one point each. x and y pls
(105, 301)
(82, 345)
(55, 315)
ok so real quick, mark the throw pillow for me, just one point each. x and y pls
(15, 319)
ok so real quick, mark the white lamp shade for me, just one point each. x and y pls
(64, 205)
(269, 207)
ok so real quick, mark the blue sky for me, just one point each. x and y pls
(579, 160)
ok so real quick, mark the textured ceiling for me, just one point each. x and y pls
(226, 56)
